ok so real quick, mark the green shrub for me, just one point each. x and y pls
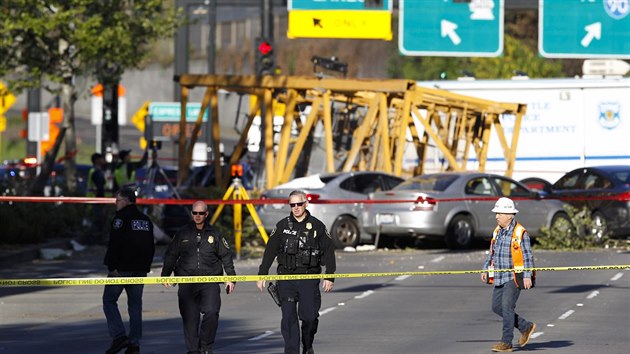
(584, 233)
(27, 223)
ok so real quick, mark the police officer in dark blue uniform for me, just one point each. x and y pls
(129, 254)
(302, 245)
(197, 250)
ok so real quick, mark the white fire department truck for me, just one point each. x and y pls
(570, 123)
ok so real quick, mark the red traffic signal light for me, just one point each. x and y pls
(265, 48)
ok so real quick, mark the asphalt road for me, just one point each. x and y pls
(576, 311)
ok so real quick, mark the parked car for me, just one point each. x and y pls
(341, 220)
(17, 177)
(457, 206)
(605, 191)
(537, 184)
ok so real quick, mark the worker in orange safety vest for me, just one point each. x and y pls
(510, 249)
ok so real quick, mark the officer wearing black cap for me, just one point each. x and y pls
(302, 245)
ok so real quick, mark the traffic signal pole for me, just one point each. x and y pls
(263, 49)
(33, 104)
(110, 142)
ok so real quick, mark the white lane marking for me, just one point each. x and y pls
(617, 277)
(537, 334)
(566, 315)
(551, 325)
(420, 267)
(264, 335)
(365, 294)
(403, 277)
(439, 259)
(330, 309)
(593, 294)
(579, 305)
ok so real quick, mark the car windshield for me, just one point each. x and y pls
(434, 183)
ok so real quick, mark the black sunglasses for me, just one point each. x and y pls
(199, 212)
(293, 205)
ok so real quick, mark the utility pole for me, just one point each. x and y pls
(212, 36)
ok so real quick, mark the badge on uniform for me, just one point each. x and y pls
(210, 239)
(118, 223)
(309, 226)
(225, 243)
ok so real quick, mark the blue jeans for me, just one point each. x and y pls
(504, 299)
(115, 325)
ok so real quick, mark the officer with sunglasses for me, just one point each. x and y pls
(302, 245)
(199, 250)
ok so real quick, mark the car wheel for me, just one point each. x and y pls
(345, 232)
(598, 227)
(460, 232)
(561, 223)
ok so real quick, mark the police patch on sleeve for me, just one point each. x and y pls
(117, 224)
(139, 225)
(328, 234)
(225, 243)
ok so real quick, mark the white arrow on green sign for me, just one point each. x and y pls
(584, 28)
(457, 28)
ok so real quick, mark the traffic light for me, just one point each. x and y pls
(264, 57)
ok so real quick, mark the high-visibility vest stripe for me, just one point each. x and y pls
(515, 249)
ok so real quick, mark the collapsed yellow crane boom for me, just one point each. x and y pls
(388, 112)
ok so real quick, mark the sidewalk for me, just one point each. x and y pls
(10, 255)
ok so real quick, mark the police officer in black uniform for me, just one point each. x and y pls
(302, 245)
(199, 250)
(129, 254)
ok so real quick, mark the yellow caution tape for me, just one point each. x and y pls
(247, 278)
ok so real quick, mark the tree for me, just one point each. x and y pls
(51, 43)
(516, 57)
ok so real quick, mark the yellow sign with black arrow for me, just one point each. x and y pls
(6, 99)
(354, 24)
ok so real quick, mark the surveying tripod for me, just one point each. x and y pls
(148, 187)
(238, 192)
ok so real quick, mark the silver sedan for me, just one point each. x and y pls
(456, 206)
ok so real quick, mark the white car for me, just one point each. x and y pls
(341, 219)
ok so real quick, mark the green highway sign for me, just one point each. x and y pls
(584, 28)
(457, 28)
(171, 112)
(339, 5)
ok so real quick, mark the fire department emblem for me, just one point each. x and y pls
(210, 239)
(609, 114)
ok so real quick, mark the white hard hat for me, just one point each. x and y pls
(505, 206)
